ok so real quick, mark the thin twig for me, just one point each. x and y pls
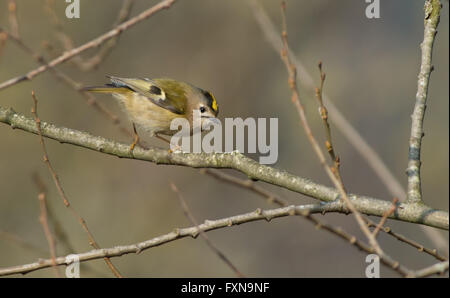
(432, 14)
(292, 71)
(329, 142)
(406, 240)
(209, 225)
(211, 245)
(385, 216)
(55, 177)
(60, 234)
(43, 218)
(324, 115)
(91, 44)
(48, 234)
(44, 150)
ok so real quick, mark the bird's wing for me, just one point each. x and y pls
(159, 91)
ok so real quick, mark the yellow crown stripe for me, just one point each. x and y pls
(214, 103)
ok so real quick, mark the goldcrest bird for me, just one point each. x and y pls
(152, 104)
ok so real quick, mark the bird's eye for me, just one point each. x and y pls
(202, 109)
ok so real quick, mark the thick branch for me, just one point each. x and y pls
(414, 213)
(432, 12)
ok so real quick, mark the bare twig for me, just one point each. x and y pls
(432, 14)
(329, 142)
(404, 239)
(324, 115)
(61, 190)
(43, 218)
(60, 234)
(91, 44)
(208, 225)
(211, 245)
(385, 216)
(44, 150)
(48, 233)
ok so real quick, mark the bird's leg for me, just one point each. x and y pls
(136, 139)
(162, 138)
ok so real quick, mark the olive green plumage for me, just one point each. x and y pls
(153, 103)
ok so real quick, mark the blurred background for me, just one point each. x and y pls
(371, 67)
